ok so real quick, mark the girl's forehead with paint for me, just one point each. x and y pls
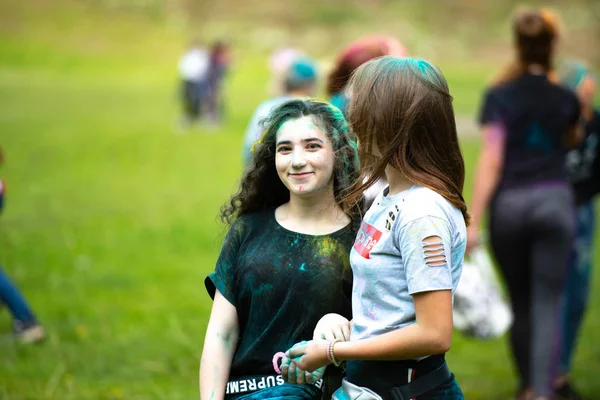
(300, 128)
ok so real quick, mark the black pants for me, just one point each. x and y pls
(531, 235)
(191, 96)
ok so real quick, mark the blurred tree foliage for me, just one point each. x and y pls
(444, 28)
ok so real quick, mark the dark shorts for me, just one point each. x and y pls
(382, 376)
(448, 391)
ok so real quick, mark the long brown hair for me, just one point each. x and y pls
(403, 106)
(535, 34)
(262, 189)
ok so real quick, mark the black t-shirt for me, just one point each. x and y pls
(536, 116)
(583, 163)
(281, 283)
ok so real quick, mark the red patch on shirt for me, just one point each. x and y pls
(367, 237)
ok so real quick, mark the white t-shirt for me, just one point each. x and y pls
(388, 260)
(194, 65)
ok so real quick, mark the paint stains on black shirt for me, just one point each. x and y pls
(281, 283)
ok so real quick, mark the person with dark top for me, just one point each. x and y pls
(528, 123)
(284, 263)
(408, 254)
(26, 327)
(582, 168)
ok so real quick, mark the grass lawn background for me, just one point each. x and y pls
(111, 221)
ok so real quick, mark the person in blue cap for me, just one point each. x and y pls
(299, 82)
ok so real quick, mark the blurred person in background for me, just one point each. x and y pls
(299, 81)
(279, 62)
(528, 124)
(193, 69)
(284, 263)
(582, 166)
(352, 57)
(220, 61)
(25, 325)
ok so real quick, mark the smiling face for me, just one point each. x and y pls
(304, 157)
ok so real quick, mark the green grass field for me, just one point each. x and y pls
(111, 221)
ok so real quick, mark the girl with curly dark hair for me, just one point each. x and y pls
(285, 261)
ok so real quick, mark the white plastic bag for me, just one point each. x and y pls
(480, 310)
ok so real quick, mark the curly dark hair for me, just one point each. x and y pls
(262, 189)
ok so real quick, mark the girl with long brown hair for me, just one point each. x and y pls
(407, 257)
(528, 122)
(353, 56)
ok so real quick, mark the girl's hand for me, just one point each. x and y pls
(473, 236)
(309, 356)
(292, 374)
(332, 326)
